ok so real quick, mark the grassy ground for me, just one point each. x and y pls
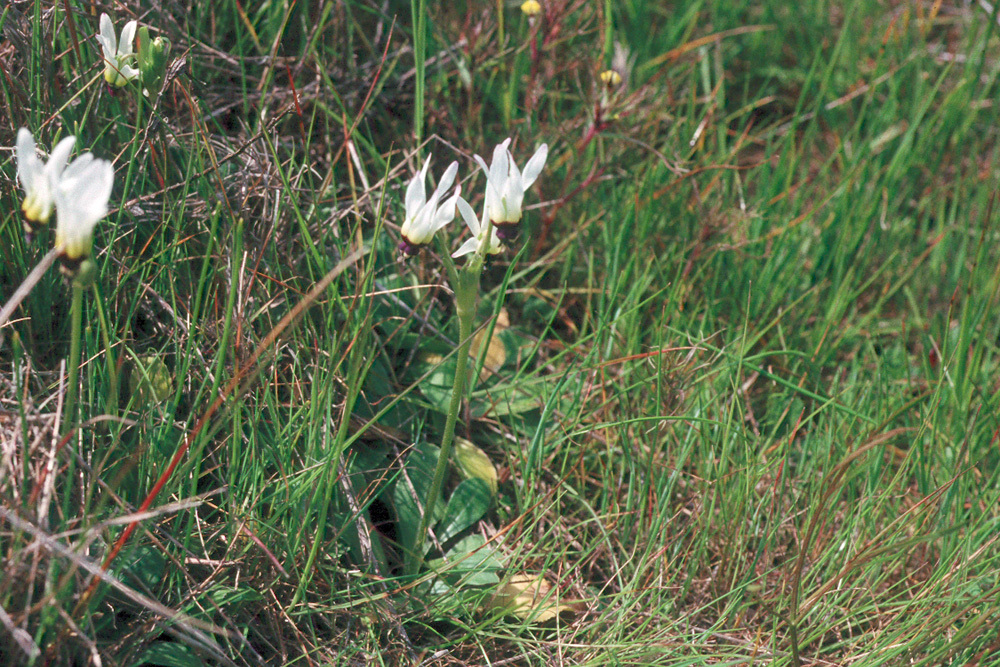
(744, 399)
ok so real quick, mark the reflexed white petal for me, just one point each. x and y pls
(415, 193)
(466, 248)
(469, 216)
(80, 202)
(534, 166)
(59, 157)
(29, 167)
(446, 180)
(78, 167)
(482, 164)
(127, 43)
(446, 213)
(499, 169)
(513, 196)
(106, 37)
(473, 244)
(39, 178)
(128, 72)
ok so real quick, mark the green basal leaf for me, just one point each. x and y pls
(169, 654)
(411, 492)
(470, 501)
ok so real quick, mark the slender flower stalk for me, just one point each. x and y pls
(118, 55)
(81, 200)
(466, 296)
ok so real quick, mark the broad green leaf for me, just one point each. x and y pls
(169, 654)
(469, 502)
(147, 566)
(476, 562)
(415, 479)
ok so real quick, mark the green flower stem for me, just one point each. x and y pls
(109, 355)
(466, 293)
(76, 333)
(466, 286)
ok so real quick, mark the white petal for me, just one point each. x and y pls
(469, 216)
(415, 194)
(59, 157)
(469, 246)
(128, 72)
(500, 167)
(482, 164)
(127, 43)
(534, 166)
(107, 38)
(446, 180)
(80, 202)
(78, 167)
(29, 167)
(446, 213)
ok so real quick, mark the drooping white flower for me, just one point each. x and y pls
(505, 186)
(38, 178)
(478, 233)
(118, 56)
(81, 200)
(423, 216)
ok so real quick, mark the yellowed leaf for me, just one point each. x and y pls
(496, 352)
(473, 462)
(528, 597)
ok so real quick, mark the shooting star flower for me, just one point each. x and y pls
(38, 178)
(423, 216)
(81, 200)
(506, 184)
(118, 56)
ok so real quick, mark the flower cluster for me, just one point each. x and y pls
(502, 205)
(77, 191)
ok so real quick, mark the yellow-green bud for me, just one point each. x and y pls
(151, 381)
(153, 55)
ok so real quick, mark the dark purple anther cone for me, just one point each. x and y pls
(408, 248)
(507, 231)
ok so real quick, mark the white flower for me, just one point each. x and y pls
(505, 186)
(81, 200)
(423, 216)
(117, 55)
(39, 179)
(478, 232)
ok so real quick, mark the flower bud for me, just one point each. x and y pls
(151, 381)
(153, 55)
